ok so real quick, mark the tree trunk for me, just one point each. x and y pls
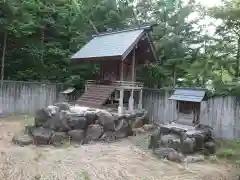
(93, 26)
(238, 59)
(3, 55)
(174, 75)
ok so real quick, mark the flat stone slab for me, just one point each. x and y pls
(22, 140)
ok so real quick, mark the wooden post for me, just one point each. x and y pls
(120, 107)
(86, 86)
(140, 99)
(131, 99)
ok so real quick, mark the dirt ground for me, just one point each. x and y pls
(116, 161)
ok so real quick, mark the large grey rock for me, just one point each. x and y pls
(175, 157)
(164, 130)
(199, 140)
(164, 152)
(42, 136)
(193, 158)
(58, 138)
(206, 131)
(77, 122)
(149, 127)
(108, 137)
(137, 122)
(171, 141)
(210, 147)
(94, 132)
(58, 122)
(41, 117)
(63, 106)
(123, 129)
(76, 135)
(106, 120)
(138, 131)
(53, 109)
(22, 140)
(91, 117)
(154, 140)
(188, 146)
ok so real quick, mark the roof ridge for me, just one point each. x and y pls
(146, 27)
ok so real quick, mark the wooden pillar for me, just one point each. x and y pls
(140, 99)
(120, 106)
(86, 86)
(131, 99)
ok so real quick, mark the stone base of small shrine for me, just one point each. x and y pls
(61, 123)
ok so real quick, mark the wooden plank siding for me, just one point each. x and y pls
(26, 97)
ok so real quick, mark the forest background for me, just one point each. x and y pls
(37, 37)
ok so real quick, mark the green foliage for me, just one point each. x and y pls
(228, 150)
(41, 35)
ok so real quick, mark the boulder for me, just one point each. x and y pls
(77, 122)
(78, 109)
(63, 106)
(210, 147)
(94, 132)
(76, 135)
(123, 129)
(58, 138)
(164, 152)
(149, 127)
(42, 136)
(91, 117)
(188, 146)
(199, 139)
(108, 136)
(145, 118)
(137, 122)
(41, 117)
(22, 140)
(106, 120)
(154, 140)
(138, 131)
(53, 109)
(206, 131)
(193, 158)
(58, 122)
(175, 157)
(164, 130)
(171, 141)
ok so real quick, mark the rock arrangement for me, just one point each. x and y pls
(178, 142)
(61, 122)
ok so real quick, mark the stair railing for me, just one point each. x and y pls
(124, 84)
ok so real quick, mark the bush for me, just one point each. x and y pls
(227, 153)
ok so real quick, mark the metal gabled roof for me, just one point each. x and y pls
(111, 45)
(187, 94)
(68, 91)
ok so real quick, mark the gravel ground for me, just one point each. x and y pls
(116, 161)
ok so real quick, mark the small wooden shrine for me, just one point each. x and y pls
(118, 53)
(188, 104)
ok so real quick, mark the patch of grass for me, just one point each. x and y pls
(229, 150)
(84, 176)
(28, 120)
(226, 153)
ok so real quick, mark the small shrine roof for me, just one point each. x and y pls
(188, 94)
